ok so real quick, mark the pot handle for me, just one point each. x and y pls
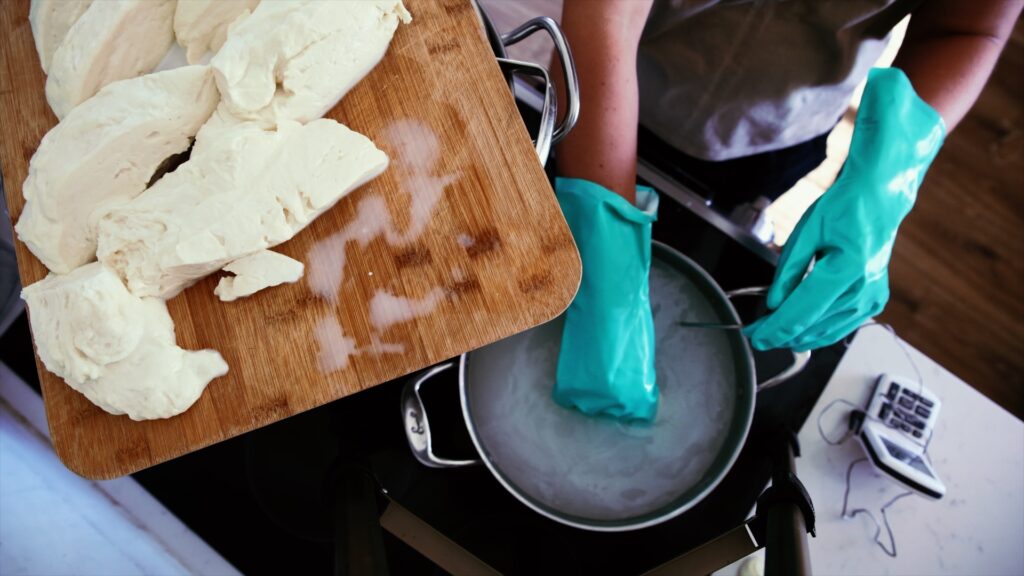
(572, 86)
(548, 134)
(417, 427)
(547, 114)
(800, 359)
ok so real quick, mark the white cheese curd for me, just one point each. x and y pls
(103, 154)
(294, 60)
(256, 272)
(50, 21)
(201, 26)
(112, 40)
(115, 348)
(243, 190)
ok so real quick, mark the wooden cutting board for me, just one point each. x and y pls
(478, 245)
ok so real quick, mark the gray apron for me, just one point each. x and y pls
(722, 79)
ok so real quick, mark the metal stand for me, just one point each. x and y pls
(789, 515)
(785, 515)
(358, 543)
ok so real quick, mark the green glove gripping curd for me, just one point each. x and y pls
(606, 364)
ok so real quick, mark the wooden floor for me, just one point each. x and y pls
(958, 266)
(957, 273)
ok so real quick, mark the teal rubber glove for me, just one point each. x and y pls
(849, 232)
(606, 364)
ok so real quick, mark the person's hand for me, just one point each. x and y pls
(848, 233)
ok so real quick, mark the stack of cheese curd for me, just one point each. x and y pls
(263, 165)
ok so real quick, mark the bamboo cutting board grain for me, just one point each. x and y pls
(494, 253)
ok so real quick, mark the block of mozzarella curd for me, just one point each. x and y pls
(255, 272)
(244, 189)
(201, 26)
(296, 60)
(117, 349)
(113, 40)
(50, 21)
(103, 154)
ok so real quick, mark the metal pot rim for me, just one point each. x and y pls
(671, 512)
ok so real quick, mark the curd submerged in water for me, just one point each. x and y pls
(602, 469)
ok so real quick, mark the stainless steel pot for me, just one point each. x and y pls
(594, 473)
(548, 133)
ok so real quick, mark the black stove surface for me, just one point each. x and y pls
(267, 500)
(470, 507)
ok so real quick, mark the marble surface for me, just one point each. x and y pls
(977, 451)
(54, 522)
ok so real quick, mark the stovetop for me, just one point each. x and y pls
(268, 501)
(471, 508)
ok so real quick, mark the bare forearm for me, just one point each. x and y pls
(602, 147)
(604, 38)
(951, 49)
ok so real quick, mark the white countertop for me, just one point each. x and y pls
(977, 451)
(54, 522)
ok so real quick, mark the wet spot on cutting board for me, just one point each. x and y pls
(454, 125)
(275, 409)
(133, 452)
(464, 286)
(78, 417)
(454, 8)
(416, 255)
(442, 47)
(289, 310)
(462, 282)
(550, 244)
(484, 241)
(534, 282)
